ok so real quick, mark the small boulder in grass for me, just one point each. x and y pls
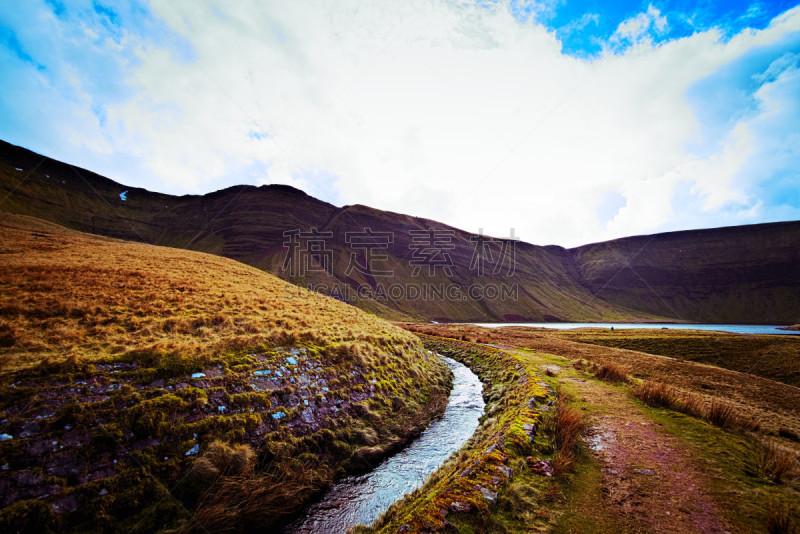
(488, 494)
(541, 467)
(507, 471)
(461, 506)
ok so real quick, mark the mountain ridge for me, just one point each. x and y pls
(632, 279)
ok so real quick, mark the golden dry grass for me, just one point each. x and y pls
(716, 411)
(64, 294)
(568, 427)
(100, 338)
(775, 462)
(612, 372)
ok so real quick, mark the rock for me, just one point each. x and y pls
(507, 471)
(65, 504)
(27, 478)
(213, 372)
(28, 429)
(541, 467)
(489, 495)
(648, 472)
(290, 401)
(64, 465)
(466, 472)
(458, 506)
(307, 416)
(73, 438)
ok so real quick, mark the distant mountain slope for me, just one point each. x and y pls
(447, 275)
(736, 274)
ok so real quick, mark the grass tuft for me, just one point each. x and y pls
(781, 518)
(612, 372)
(566, 435)
(775, 462)
(657, 394)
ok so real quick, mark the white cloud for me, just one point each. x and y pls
(440, 109)
(640, 27)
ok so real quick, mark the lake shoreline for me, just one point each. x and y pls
(733, 328)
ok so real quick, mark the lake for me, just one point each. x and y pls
(735, 328)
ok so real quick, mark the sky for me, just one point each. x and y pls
(564, 122)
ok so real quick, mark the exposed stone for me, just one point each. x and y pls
(63, 465)
(73, 438)
(27, 478)
(307, 416)
(28, 429)
(488, 494)
(65, 504)
(459, 506)
(507, 471)
(541, 467)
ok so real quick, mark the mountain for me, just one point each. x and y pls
(405, 267)
(737, 274)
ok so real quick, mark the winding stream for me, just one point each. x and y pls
(362, 499)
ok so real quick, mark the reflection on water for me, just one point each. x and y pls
(362, 499)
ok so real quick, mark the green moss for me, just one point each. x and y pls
(499, 442)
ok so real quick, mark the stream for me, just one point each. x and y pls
(362, 499)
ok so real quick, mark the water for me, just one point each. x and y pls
(735, 328)
(360, 500)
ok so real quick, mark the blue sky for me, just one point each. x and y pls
(585, 27)
(569, 121)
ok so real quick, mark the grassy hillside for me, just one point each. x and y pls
(143, 387)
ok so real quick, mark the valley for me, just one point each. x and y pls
(168, 369)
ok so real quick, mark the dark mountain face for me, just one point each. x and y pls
(406, 267)
(737, 274)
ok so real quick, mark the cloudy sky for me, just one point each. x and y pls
(568, 121)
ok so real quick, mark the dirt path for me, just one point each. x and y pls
(649, 478)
